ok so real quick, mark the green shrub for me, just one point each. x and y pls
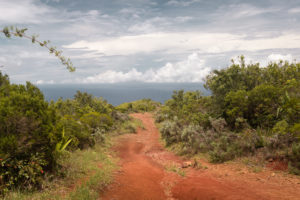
(27, 135)
(251, 108)
(219, 125)
(31, 139)
(119, 116)
(236, 106)
(294, 157)
(170, 132)
(24, 174)
(281, 127)
(86, 119)
(94, 120)
(75, 131)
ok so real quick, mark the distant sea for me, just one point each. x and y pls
(119, 93)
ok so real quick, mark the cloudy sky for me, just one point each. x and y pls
(112, 41)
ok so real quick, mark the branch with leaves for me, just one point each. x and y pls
(14, 31)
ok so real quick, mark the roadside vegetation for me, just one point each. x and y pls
(253, 110)
(46, 146)
(43, 143)
(60, 150)
(142, 105)
(85, 174)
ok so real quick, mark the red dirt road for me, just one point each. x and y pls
(145, 175)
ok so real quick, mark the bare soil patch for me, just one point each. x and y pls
(149, 172)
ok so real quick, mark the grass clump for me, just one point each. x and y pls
(174, 168)
(129, 126)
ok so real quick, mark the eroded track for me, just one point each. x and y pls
(143, 175)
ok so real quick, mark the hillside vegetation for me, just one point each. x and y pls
(252, 110)
(142, 105)
(36, 136)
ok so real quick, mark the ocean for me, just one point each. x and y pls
(119, 93)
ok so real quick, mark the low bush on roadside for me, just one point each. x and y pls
(251, 109)
(87, 171)
(28, 136)
(34, 133)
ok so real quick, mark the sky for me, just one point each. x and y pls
(152, 41)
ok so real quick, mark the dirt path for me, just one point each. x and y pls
(146, 174)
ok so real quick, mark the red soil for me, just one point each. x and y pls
(143, 175)
(278, 165)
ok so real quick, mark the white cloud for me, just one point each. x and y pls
(56, 1)
(294, 10)
(183, 3)
(93, 13)
(111, 76)
(157, 24)
(190, 70)
(40, 82)
(185, 41)
(182, 19)
(151, 25)
(22, 11)
(144, 27)
(279, 57)
(123, 35)
(237, 11)
(245, 10)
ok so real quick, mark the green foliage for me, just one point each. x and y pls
(86, 119)
(24, 173)
(81, 172)
(4, 81)
(27, 135)
(219, 142)
(281, 127)
(294, 164)
(174, 168)
(236, 106)
(63, 144)
(143, 105)
(264, 101)
(262, 96)
(170, 131)
(188, 107)
(94, 120)
(250, 108)
(34, 134)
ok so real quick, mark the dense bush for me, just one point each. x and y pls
(251, 108)
(28, 135)
(86, 118)
(221, 143)
(34, 133)
(170, 131)
(294, 164)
